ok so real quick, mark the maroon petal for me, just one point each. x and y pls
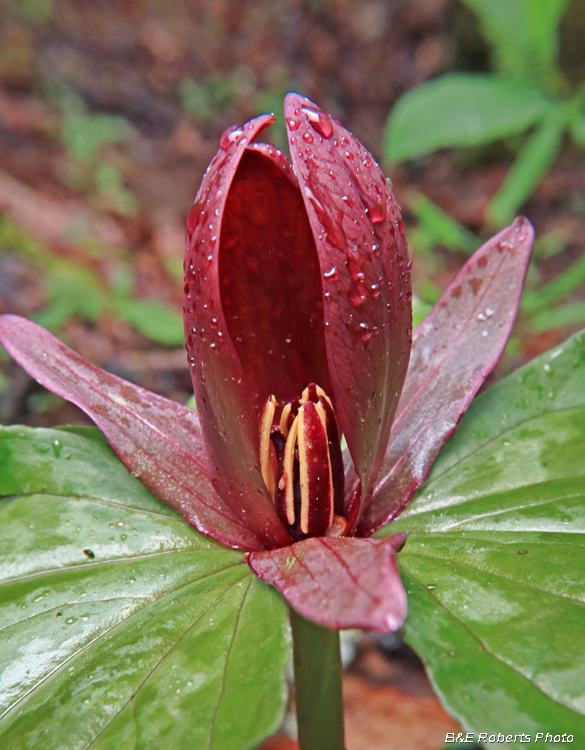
(366, 276)
(339, 583)
(453, 351)
(230, 227)
(158, 440)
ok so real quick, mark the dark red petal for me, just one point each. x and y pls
(366, 277)
(339, 583)
(158, 440)
(253, 311)
(453, 351)
(227, 407)
(271, 291)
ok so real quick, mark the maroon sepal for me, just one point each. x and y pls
(454, 350)
(158, 440)
(226, 344)
(339, 583)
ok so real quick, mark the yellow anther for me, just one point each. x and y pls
(266, 466)
(337, 527)
(323, 417)
(284, 419)
(321, 392)
(288, 466)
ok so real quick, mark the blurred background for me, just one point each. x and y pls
(110, 111)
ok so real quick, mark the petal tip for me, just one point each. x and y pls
(524, 228)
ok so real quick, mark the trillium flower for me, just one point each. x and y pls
(298, 319)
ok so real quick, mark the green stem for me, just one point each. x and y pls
(318, 671)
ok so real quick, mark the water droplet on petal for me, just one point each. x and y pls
(320, 121)
(292, 124)
(332, 274)
(307, 137)
(377, 213)
(357, 296)
(365, 333)
(356, 272)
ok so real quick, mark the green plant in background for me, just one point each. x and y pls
(527, 92)
(75, 289)
(38, 12)
(83, 134)
(212, 97)
(526, 97)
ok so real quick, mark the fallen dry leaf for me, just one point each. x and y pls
(381, 717)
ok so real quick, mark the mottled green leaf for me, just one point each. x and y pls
(121, 626)
(494, 562)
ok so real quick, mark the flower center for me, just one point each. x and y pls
(302, 464)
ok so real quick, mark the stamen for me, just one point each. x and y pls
(308, 483)
(288, 465)
(266, 466)
(284, 419)
(320, 409)
(310, 393)
(321, 392)
(337, 527)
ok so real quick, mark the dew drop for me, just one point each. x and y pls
(365, 333)
(224, 141)
(356, 296)
(307, 137)
(356, 272)
(377, 213)
(292, 124)
(320, 121)
(332, 274)
(57, 446)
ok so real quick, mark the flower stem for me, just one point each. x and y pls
(319, 699)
